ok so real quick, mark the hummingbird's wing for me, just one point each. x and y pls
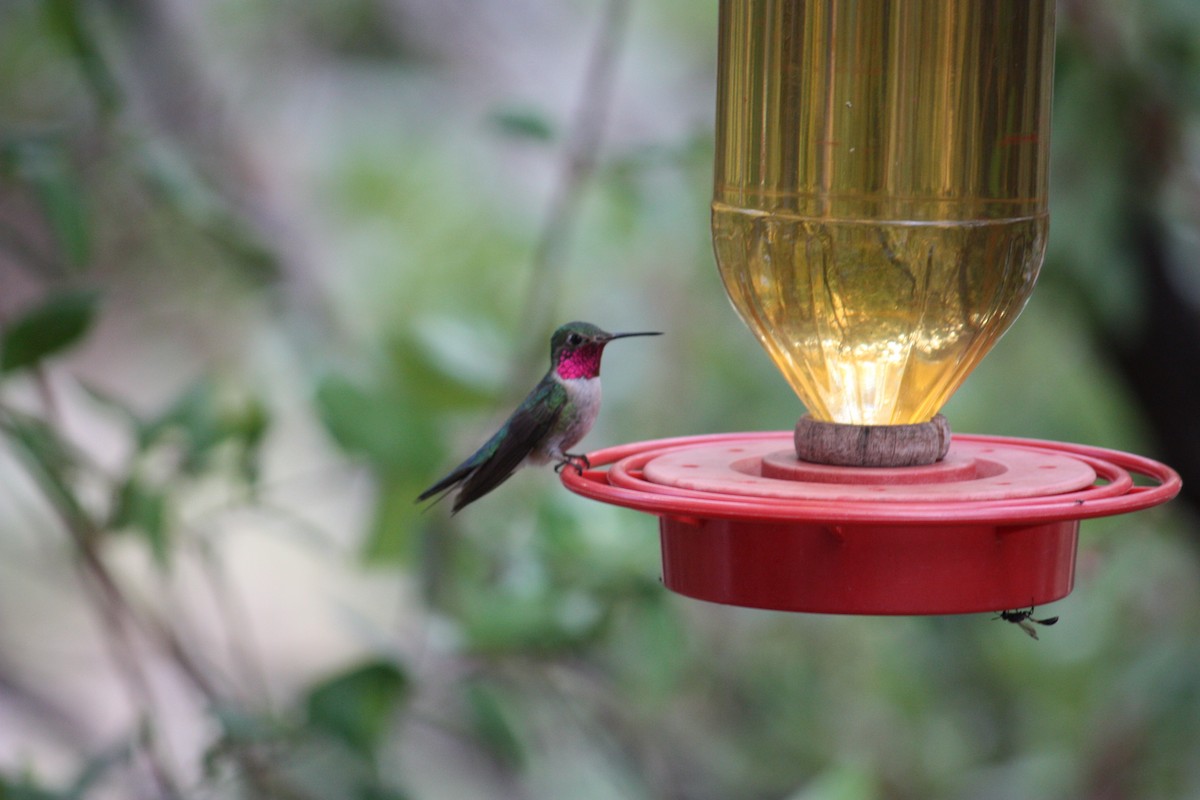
(500, 456)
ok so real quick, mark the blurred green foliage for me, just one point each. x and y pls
(252, 253)
(43, 331)
(42, 164)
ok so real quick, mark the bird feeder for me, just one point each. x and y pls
(879, 219)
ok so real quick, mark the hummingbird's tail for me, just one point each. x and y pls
(447, 484)
(444, 485)
(473, 479)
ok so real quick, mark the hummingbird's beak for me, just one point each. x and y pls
(612, 336)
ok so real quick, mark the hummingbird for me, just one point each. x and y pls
(547, 424)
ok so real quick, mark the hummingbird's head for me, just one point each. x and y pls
(576, 347)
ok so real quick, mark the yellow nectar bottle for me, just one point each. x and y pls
(879, 211)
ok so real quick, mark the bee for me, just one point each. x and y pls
(1023, 617)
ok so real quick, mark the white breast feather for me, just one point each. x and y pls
(584, 394)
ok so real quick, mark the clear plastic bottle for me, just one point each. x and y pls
(879, 211)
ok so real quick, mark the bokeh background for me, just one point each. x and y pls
(268, 268)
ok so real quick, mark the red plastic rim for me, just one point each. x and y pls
(994, 528)
(1115, 491)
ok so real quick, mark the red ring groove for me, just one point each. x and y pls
(621, 486)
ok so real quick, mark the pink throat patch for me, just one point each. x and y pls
(581, 363)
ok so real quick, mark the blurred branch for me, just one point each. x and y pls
(210, 173)
(14, 241)
(122, 619)
(69, 22)
(580, 156)
(236, 619)
(108, 601)
(60, 719)
(119, 642)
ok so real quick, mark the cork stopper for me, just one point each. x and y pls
(872, 445)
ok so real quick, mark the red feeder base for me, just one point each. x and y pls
(869, 569)
(993, 526)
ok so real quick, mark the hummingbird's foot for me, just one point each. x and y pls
(576, 461)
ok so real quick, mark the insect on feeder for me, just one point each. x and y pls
(879, 218)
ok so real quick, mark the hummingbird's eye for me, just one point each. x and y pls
(574, 339)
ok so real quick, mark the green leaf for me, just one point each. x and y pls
(841, 782)
(359, 421)
(356, 706)
(50, 461)
(179, 188)
(382, 424)
(522, 123)
(381, 793)
(194, 414)
(493, 724)
(249, 426)
(49, 329)
(206, 419)
(241, 725)
(497, 622)
(43, 165)
(395, 423)
(66, 20)
(25, 791)
(143, 509)
(392, 535)
(655, 641)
